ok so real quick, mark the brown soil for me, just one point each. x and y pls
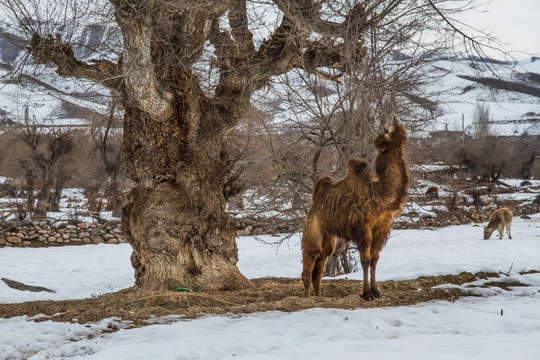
(282, 294)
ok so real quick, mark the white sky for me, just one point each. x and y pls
(516, 23)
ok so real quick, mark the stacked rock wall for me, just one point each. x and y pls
(47, 233)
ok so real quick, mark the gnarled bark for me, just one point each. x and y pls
(176, 222)
(181, 238)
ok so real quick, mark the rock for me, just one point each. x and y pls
(33, 236)
(96, 239)
(26, 243)
(42, 232)
(258, 231)
(71, 227)
(14, 239)
(112, 241)
(2, 241)
(65, 237)
(44, 223)
(86, 240)
(24, 287)
(82, 225)
(42, 238)
(244, 232)
(75, 239)
(84, 234)
(107, 237)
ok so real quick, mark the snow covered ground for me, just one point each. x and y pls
(500, 324)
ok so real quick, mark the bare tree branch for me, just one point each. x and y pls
(239, 24)
(49, 49)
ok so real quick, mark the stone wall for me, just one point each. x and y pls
(46, 233)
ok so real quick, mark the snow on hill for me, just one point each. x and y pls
(511, 90)
(50, 99)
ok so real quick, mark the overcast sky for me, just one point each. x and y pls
(514, 22)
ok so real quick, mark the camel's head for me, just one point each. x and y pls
(393, 137)
(487, 232)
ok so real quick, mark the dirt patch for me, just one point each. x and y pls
(282, 294)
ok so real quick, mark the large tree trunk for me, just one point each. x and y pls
(176, 220)
(181, 237)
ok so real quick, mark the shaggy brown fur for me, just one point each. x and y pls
(500, 219)
(359, 207)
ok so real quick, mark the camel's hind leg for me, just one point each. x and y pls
(508, 231)
(311, 251)
(379, 237)
(328, 248)
(308, 260)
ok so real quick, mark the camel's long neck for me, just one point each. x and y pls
(394, 182)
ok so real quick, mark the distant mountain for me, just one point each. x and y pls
(49, 98)
(511, 89)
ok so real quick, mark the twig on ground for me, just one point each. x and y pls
(508, 273)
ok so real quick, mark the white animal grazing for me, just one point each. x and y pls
(500, 219)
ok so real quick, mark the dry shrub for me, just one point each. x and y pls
(451, 202)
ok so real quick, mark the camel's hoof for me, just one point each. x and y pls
(368, 296)
(376, 293)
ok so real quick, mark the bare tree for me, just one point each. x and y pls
(334, 116)
(48, 149)
(176, 129)
(108, 146)
(482, 120)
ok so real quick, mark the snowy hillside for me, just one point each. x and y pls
(510, 89)
(50, 99)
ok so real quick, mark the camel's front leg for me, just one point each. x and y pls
(365, 259)
(374, 289)
(366, 289)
